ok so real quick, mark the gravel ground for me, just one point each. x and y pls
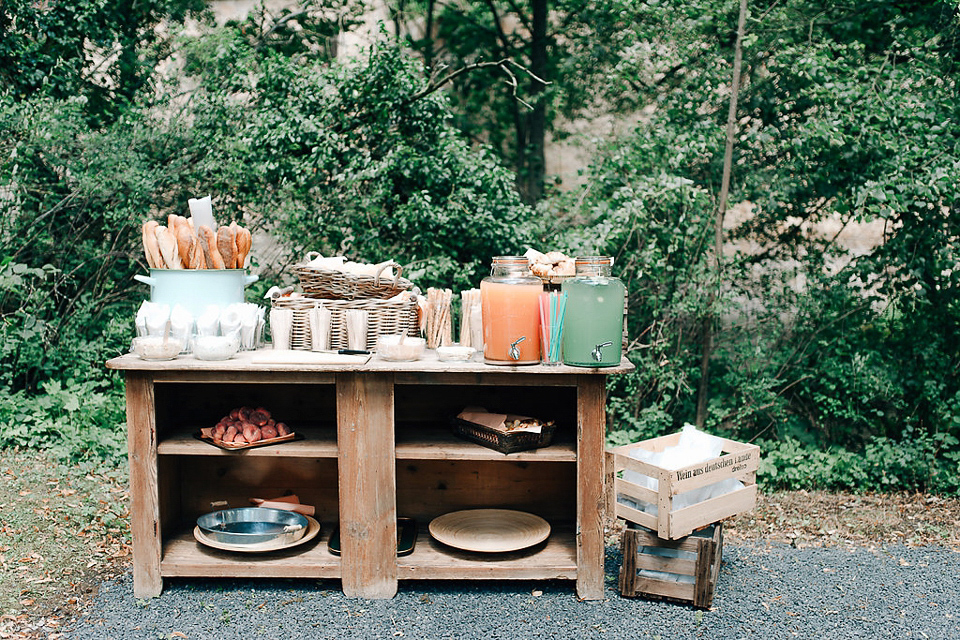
(764, 591)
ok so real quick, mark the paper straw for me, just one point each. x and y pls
(544, 329)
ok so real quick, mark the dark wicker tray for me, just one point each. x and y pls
(503, 441)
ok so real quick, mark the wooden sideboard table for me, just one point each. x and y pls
(377, 445)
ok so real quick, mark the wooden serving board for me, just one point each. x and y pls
(204, 434)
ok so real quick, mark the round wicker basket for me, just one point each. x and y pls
(329, 284)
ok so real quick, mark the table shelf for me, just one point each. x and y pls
(556, 558)
(427, 443)
(184, 557)
(317, 442)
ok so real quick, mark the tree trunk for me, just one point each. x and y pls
(531, 151)
(709, 318)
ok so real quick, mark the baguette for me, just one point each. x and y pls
(185, 241)
(197, 259)
(227, 245)
(208, 240)
(168, 248)
(244, 241)
(235, 229)
(150, 247)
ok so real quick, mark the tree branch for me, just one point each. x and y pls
(506, 65)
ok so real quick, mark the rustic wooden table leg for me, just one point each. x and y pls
(591, 426)
(144, 496)
(368, 485)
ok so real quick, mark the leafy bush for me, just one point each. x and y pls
(72, 420)
(911, 463)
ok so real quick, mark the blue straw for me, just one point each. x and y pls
(553, 326)
(558, 326)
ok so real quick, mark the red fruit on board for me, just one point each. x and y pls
(267, 432)
(251, 433)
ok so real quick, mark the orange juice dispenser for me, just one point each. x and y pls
(509, 301)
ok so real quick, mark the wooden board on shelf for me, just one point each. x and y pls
(317, 442)
(433, 442)
(184, 557)
(556, 558)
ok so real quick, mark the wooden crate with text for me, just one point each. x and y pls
(737, 461)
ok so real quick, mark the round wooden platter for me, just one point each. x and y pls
(490, 530)
(313, 528)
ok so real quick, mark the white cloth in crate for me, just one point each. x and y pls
(692, 447)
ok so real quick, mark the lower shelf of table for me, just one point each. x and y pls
(556, 558)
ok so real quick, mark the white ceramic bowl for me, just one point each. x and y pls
(216, 347)
(156, 348)
(393, 349)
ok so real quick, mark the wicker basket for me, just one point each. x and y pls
(503, 441)
(387, 317)
(328, 284)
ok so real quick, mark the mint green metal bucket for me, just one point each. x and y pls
(196, 289)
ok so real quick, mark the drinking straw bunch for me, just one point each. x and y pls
(439, 324)
(552, 306)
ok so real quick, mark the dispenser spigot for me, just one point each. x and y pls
(596, 354)
(514, 352)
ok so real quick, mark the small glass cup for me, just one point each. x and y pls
(356, 321)
(551, 352)
(551, 328)
(281, 327)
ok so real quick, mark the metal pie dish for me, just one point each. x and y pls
(253, 525)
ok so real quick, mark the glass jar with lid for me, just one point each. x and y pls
(593, 317)
(509, 301)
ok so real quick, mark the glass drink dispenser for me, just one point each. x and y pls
(509, 300)
(593, 318)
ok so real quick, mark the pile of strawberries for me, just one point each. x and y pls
(246, 425)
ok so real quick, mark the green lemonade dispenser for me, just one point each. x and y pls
(593, 318)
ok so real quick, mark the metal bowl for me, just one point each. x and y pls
(253, 525)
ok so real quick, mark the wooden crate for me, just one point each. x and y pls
(649, 571)
(737, 460)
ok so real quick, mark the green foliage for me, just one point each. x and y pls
(72, 420)
(847, 114)
(910, 463)
(844, 364)
(347, 159)
(104, 52)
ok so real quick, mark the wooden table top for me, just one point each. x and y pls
(268, 360)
